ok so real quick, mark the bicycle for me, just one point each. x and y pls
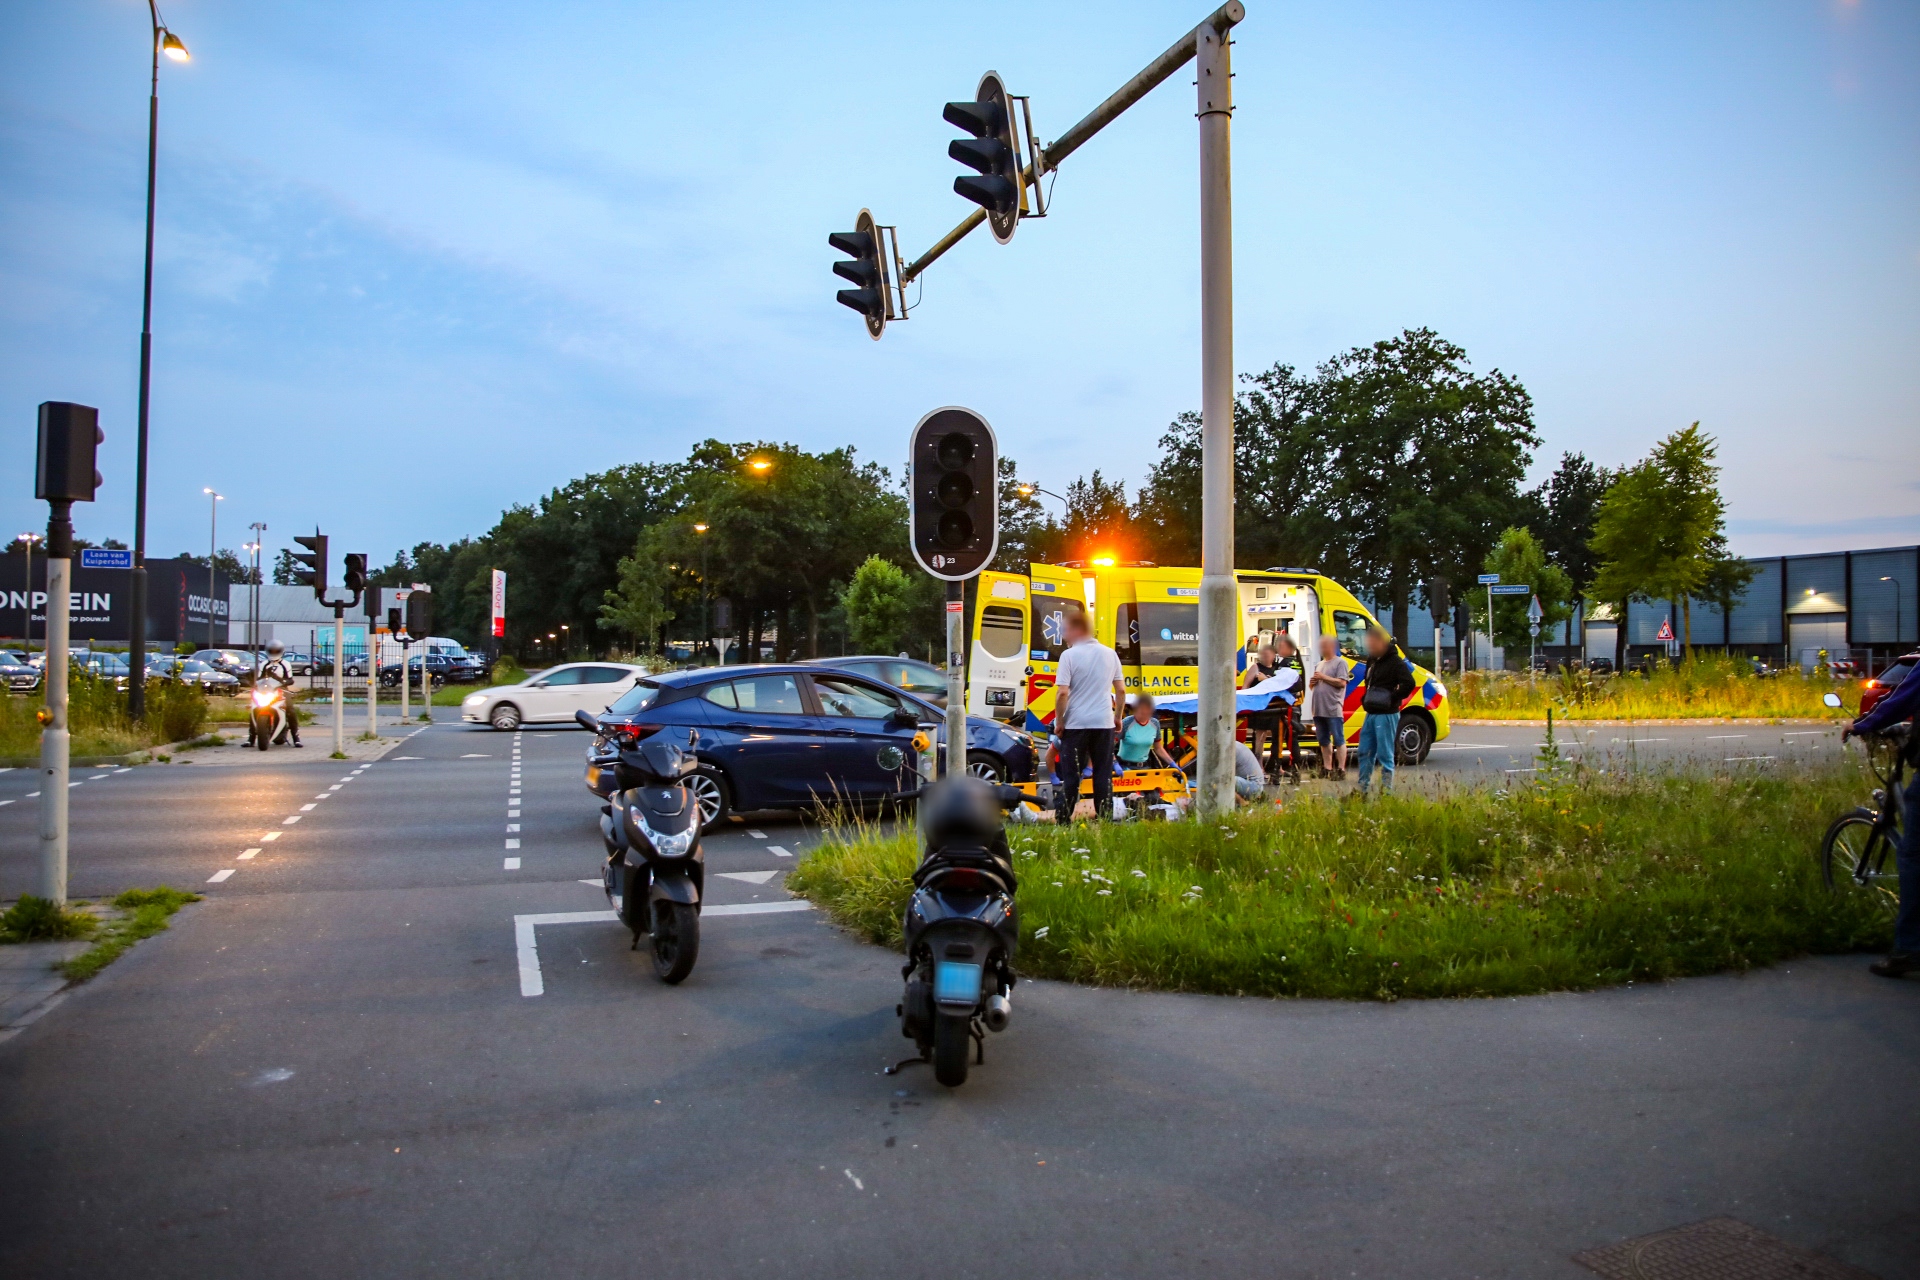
(1859, 850)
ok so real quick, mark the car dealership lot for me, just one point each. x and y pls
(329, 1067)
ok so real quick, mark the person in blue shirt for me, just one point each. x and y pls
(1901, 703)
(1140, 737)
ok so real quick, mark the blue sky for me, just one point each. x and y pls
(419, 262)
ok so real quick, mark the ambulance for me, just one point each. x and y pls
(1151, 616)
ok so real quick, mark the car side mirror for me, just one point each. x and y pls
(901, 718)
(539, 684)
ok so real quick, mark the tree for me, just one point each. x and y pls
(1424, 460)
(1026, 531)
(1727, 580)
(284, 567)
(637, 605)
(879, 602)
(1562, 512)
(1519, 557)
(1099, 521)
(1662, 528)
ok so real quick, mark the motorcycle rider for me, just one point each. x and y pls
(1902, 702)
(278, 674)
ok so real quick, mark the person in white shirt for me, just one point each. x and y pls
(1088, 690)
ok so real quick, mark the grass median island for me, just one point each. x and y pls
(98, 720)
(1710, 686)
(1571, 884)
(136, 914)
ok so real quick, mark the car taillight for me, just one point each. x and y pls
(631, 735)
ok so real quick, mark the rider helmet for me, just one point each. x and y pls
(275, 648)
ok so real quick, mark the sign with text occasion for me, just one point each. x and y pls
(499, 602)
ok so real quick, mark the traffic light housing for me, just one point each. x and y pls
(69, 435)
(867, 271)
(354, 577)
(952, 481)
(395, 622)
(419, 613)
(992, 151)
(314, 558)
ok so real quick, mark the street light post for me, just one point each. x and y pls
(164, 41)
(259, 528)
(705, 634)
(213, 549)
(26, 634)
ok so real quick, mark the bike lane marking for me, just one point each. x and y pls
(525, 944)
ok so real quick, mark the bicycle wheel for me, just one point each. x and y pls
(1856, 857)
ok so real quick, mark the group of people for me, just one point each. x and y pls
(1090, 696)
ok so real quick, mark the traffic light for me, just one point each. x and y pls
(992, 152)
(69, 434)
(952, 467)
(315, 560)
(867, 270)
(419, 613)
(395, 624)
(354, 579)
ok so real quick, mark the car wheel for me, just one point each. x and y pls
(506, 716)
(1414, 739)
(986, 766)
(710, 793)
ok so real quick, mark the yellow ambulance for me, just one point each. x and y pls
(1151, 616)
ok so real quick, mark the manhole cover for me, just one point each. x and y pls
(1717, 1249)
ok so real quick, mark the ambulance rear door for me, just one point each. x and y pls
(997, 666)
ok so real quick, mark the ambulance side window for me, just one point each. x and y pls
(1000, 631)
(1126, 634)
(1351, 630)
(1049, 637)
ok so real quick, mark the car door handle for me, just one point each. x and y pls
(738, 728)
(841, 733)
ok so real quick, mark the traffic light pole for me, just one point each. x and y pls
(55, 739)
(956, 679)
(339, 680)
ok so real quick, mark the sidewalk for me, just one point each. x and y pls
(318, 736)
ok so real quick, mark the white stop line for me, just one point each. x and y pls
(523, 936)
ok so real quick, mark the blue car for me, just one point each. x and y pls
(790, 736)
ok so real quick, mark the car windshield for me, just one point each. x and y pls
(199, 668)
(638, 698)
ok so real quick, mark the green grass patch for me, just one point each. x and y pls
(1572, 884)
(1709, 686)
(97, 718)
(143, 913)
(35, 919)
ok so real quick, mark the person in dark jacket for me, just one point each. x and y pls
(1901, 704)
(1388, 681)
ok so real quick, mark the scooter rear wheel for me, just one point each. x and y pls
(676, 940)
(952, 1046)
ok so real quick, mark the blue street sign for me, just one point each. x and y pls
(1512, 589)
(101, 558)
(1488, 579)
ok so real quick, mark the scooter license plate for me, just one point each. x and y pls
(956, 983)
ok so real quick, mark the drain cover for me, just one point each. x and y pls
(1717, 1249)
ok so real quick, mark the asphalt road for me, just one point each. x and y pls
(330, 1068)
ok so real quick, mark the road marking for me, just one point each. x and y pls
(476, 755)
(287, 822)
(513, 864)
(82, 782)
(1631, 741)
(513, 826)
(1733, 759)
(751, 877)
(5, 803)
(531, 983)
(271, 835)
(248, 853)
(409, 757)
(306, 808)
(124, 770)
(778, 852)
(1807, 733)
(335, 787)
(220, 875)
(30, 795)
(513, 844)
(97, 776)
(757, 835)
(1724, 737)
(513, 813)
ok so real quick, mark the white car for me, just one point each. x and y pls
(551, 695)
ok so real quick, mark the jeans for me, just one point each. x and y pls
(1078, 748)
(1377, 734)
(1906, 925)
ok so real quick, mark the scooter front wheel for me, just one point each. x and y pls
(676, 940)
(952, 1046)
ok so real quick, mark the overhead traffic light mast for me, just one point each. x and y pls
(872, 276)
(992, 152)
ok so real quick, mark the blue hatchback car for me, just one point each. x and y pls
(787, 736)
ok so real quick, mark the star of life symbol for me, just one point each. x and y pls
(1054, 627)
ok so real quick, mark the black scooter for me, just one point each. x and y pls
(961, 929)
(655, 873)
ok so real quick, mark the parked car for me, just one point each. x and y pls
(107, 666)
(552, 695)
(19, 675)
(793, 735)
(921, 679)
(439, 665)
(300, 664)
(1873, 690)
(237, 663)
(192, 671)
(357, 664)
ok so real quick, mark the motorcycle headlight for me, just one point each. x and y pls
(261, 697)
(671, 846)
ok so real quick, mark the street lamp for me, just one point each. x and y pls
(760, 466)
(164, 41)
(705, 637)
(259, 528)
(566, 642)
(1026, 490)
(213, 545)
(29, 538)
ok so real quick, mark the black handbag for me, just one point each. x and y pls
(1377, 701)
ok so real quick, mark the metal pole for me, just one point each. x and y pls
(339, 680)
(956, 679)
(404, 646)
(1219, 593)
(56, 741)
(213, 549)
(137, 604)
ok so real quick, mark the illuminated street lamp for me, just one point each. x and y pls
(705, 637)
(28, 539)
(213, 548)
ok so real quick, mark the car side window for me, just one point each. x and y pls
(916, 677)
(840, 696)
(721, 695)
(567, 675)
(1894, 674)
(770, 695)
(604, 675)
(1350, 629)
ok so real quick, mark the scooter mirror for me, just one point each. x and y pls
(1832, 700)
(586, 721)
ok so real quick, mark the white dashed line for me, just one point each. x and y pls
(751, 877)
(1736, 759)
(287, 822)
(513, 813)
(307, 808)
(96, 777)
(1724, 737)
(220, 875)
(513, 864)
(82, 782)
(271, 835)
(778, 852)
(513, 826)
(249, 853)
(5, 803)
(513, 844)
(757, 835)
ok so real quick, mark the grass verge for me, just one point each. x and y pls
(143, 913)
(1574, 883)
(1710, 686)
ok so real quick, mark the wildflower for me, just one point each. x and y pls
(1041, 932)
(1137, 871)
(1104, 893)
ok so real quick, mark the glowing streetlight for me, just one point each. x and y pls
(213, 549)
(760, 465)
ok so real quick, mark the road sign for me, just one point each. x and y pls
(102, 558)
(1487, 579)
(1666, 629)
(1534, 612)
(1511, 589)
